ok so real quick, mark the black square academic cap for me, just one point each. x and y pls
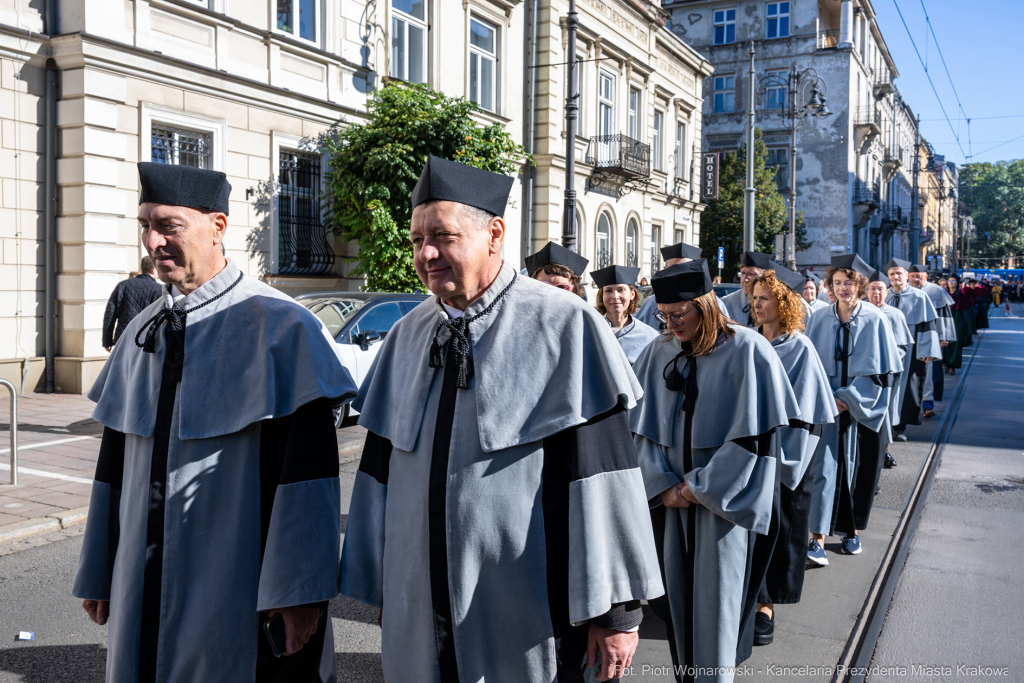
(812, 277)
(879, 276)
(681, 282)
(197, 188)
(897, 263)
(451, 181)
(755, 259)
(793, 280)
(853, 262)
(917, 268)
(615, 275)
(680, 250)
(556, 253)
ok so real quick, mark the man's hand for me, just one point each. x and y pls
(841, 406)
(678, 496)
(943, 344)
(929, 359)
(107, 348)
(616, 648)
(98, 610)
(300, 623)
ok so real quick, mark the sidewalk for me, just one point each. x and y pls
(958, 602)
(58, 443)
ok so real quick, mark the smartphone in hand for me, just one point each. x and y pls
(273, 628)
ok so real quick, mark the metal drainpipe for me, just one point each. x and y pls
(49, 207)
(530, 175)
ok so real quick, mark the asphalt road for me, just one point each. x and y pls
(35, 577)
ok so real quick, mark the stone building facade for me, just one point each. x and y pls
(638, 137)
(854, 170)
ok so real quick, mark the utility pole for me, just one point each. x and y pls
(748, 192)
(915, 233)
(572, 106)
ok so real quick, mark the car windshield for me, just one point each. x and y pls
(334, 313)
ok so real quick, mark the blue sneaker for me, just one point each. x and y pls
(851, 546)
(816, 554)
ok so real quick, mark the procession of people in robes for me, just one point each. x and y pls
(536, 467)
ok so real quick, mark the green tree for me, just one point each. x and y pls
(993, 195)
(374, 166)
(721, 224)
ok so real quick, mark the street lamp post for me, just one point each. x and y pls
(572, 106)
(794, 83)
(749, 190)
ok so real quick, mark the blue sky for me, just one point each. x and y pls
(982, 43)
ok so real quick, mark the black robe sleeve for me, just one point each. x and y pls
(103, 528)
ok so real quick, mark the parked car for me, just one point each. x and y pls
(358, 321)
(725, 288)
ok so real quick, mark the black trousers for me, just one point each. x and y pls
(784, 582)
(910, 410)
(870, 461)
(938, 379)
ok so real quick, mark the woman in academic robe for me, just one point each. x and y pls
(779, 313)
(858, 351)
(617, 300)
(878, 288)
(559, 267)
(715, 392)
(983, 297)
(962, 307)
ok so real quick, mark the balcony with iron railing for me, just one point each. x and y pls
(619, 154)
(828, 39)
(864, 193)
(896, 215)
(881, 82)
(894, 156)
(868, 116)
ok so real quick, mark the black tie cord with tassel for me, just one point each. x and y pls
(674, 380)
(459, 327)
(175, 318)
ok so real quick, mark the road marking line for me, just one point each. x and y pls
(43, 473)
(44, 444)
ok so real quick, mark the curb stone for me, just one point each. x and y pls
(9, 533)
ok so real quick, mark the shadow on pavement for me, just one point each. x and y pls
(88, 427)
(359, 667)
(55, 663)
(353, 610)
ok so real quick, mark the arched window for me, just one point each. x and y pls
(581, 231)
(604, 241)
(631, 242)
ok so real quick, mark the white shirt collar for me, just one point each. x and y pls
(176, 295)
(453, 312)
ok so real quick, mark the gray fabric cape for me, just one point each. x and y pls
(250, 356)
(943, 302)
(544, 361)
(737, 307)
(814, 398)
(920, 313)
(743, 396)
(874, 358)
(634, 337)
(904, 340)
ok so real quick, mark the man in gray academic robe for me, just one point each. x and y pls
(498, 517)
(945, 328)
(737, 304)
(921, 316)
(216, 503)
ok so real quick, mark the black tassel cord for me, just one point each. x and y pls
(175, 319)
(674, 380)
(459, 327)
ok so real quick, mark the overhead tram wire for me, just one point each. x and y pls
(942, 58)
(929, 77)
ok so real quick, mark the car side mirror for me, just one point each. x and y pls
(369, 338)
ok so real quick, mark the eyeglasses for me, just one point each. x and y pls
(561, 285)
(844, 284)
(675, 318)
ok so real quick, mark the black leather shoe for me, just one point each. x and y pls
(764, 629)
(890, 462)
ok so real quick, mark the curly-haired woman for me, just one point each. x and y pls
(779, 312)
(858, 351)
(714, 394)
(617, 300)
